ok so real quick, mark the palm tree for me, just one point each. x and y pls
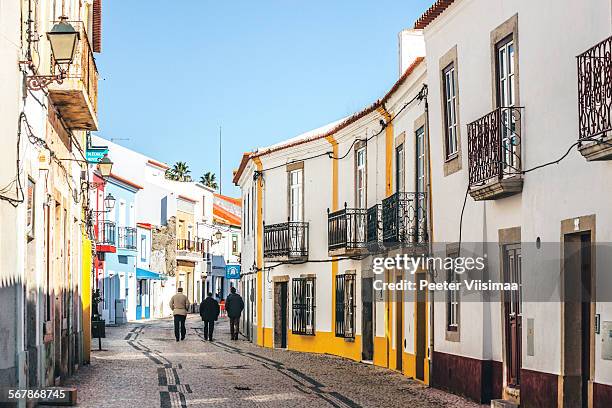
(179, 172)
(209, 180)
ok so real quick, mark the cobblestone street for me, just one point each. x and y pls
(142, 365)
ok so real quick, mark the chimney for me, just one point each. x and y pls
(411, 46)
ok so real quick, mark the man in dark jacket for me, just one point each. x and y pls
(209, 311)
(234, 305)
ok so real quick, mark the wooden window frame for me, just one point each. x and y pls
(452, 162)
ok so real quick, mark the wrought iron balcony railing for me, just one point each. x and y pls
(127, 238)
(494, 146)
(106, 233)
(404, 219)
(374, 224)
(346, 229)
(191, 245)
(287, 240)
(595, 91)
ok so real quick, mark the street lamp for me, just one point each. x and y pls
(109, 202)
(218, 235)
(105, 165)
(63, 39)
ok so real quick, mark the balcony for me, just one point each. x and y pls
(190, 246)
(494, 154)
(76, 98)
(105, 233)
(286, 242)
(126, 238)
(346, 231)
(595, 102)
(404, 221)
(190, 250)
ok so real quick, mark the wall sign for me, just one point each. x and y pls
(232, 271)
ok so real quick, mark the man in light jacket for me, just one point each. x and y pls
(179, 305)
(234, 306)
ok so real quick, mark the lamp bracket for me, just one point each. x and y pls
(38, 82)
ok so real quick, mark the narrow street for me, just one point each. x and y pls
(142, 365)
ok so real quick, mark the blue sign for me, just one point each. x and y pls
(95, 154)
(232, 271)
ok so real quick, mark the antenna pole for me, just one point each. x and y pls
(220, 183)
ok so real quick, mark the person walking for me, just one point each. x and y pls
(234, 306)
(179, 304)
(209, 311)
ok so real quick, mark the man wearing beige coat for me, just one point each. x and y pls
(179, 305)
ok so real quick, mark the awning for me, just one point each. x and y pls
(147, 274)
(218, 262)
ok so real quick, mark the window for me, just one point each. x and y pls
(505, 63)
(399, 168)
(296, 206)
(30, 209)
(204, 207)
(143, 248)
(450, 110)
(452, 300)
(345, 306)
(360, 177)
(420, 180)
(234, 244)
(303, 306)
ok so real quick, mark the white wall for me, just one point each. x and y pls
(551, 34)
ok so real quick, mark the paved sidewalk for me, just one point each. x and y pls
(144, 366)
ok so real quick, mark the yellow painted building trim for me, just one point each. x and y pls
(334, 264)
(325, 343)
(268, 339)
(388, 151)
(261, 338)
(380, 351)
(86, 269)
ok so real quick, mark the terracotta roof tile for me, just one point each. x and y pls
(432, 13)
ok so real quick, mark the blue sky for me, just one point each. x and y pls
(172, 72)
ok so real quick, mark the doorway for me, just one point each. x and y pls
(280, 315)
(578, 318)
(421, 331)
(367, 320)
(513, 314)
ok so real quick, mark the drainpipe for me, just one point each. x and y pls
(431, 236)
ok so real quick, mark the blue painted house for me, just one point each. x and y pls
(148, 283)
(119, 284)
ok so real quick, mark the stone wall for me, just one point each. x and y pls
(163, 248)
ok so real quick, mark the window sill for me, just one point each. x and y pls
(452, 334)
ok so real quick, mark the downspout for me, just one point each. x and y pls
(431, 237)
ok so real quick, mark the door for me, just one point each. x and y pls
(512, 314)
(280, 315)
(367, 320)
(399, 326)
(578, 319)
(421, 331)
